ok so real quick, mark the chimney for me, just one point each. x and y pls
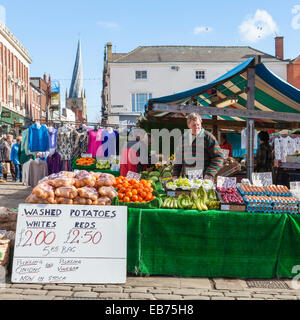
(109, 51)
(45, 77)
(279, 47)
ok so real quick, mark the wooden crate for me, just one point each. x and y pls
(232, 206)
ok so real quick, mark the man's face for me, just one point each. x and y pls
(195, 126)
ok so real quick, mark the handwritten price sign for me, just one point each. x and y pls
(70, 244)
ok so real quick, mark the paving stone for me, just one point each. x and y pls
(85, 294)
(108, 289)
(11, 297)
(95, 285)
(213, 294)
(137, 290)
(230, 284)
(81, 289)
(202, 283)
(157, 282)
(27, 286)
(34, 297)
(161, 291)
(196, 298)
(167, 297)
(11, 290)
(114, 295)
(35, 292)
(187, 292)
(60, 293)
(57, 288)
(285, 297)
(263, 296)
(222, 298)
(237, 294)
(145, 296)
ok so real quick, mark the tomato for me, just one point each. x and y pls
(129, 194)
(134, 192)
(126, 199)
(135, 198)
(121, 195)
(148, 198)
(123, 190)
(143, 194)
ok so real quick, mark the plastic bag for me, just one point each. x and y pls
(62, 200)
(109, 192)
(66, 192)
(105, 180)
(44, 191)
(89, 193)
(84, 179)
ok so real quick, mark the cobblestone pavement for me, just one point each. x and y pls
(143, 288)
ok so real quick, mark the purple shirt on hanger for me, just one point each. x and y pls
(54, 163)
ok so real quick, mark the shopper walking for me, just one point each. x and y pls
(1, 159)
(7, 164)
(14, 156)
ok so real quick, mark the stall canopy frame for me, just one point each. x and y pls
(257, 95)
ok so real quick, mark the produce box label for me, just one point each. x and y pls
(226, 182)
(262, 179)
(86, 155)
(70, 244)
(195, 174)
(133, 175)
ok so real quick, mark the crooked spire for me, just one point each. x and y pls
(76, 88)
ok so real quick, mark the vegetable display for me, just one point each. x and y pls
(87, 161)
(230, 196)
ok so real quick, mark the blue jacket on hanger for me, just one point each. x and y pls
(38, 139)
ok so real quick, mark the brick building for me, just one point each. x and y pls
(14, 82)
(294, 72)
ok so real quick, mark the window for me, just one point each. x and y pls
(141, 75)
(200, 75)
(139, 100)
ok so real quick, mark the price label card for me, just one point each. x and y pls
(262, 179)
(226, 182)
(225, 153)
(86, 155)
(195, 174)
(295, 185)
(133, 175)
(70, 244)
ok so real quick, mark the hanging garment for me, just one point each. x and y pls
(38, 138)
(52, 139)
(244, 139)
(64, 145)
(37, 171)
(66, 165)
(25, 172)
(81, 143)
(110, 143)
(54, 163)
(95, 142)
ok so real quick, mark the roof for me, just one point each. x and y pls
(148, 54)
(116, 56)
(76, 87)
(271, 93)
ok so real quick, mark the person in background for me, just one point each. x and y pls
(226, 145)
(14, 156)
(213, 156)
(264, 156)
(1, 159)
(8, 166)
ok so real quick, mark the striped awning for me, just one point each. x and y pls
(271, 94)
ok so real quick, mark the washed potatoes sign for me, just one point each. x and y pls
(70, 244)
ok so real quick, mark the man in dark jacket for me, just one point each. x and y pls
(264, 156)
(8, 166)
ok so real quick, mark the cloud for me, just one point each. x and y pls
(108, 25)
(258, 27)
(202, 29)
(2, 14)
(296, 19)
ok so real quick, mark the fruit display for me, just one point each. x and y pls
(87, 161)
(133, 191)
(80, 188)
(230, 196)
(272, 204)
(267, 191)
(162, 171)
(103, 165)
(199, 200)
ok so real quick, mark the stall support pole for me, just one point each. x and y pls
(250, 122)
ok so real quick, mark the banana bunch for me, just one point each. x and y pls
(213, 205)
(185, 202)
(170, 203)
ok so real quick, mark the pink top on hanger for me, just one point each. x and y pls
(95, 143)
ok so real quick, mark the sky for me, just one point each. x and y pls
(50, 30)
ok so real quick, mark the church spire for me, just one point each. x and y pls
(77, 82)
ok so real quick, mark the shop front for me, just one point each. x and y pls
(11, 122)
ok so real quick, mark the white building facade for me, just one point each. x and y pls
(130, 80)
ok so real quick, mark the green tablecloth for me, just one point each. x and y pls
(212, 244)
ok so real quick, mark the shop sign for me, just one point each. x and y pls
(262, 179)
(6, 114)
(70, 244)
(226, 182)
